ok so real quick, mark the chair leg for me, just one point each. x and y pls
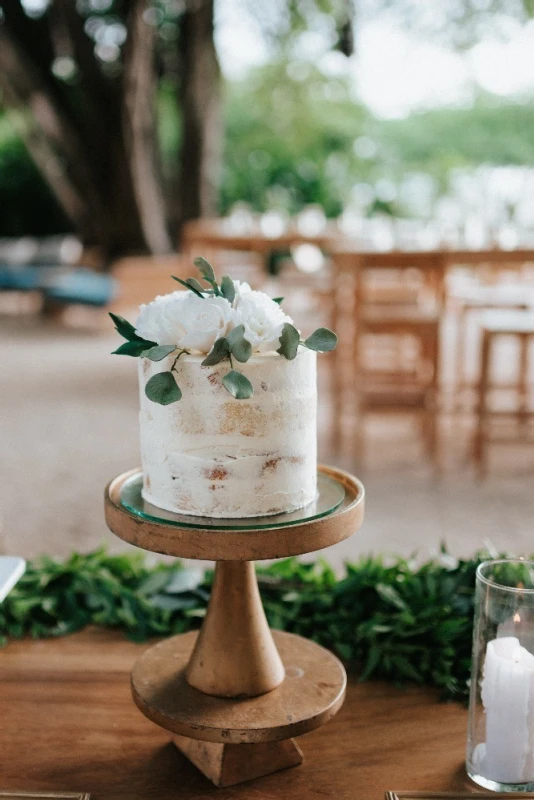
(481, 432)
(431, 434)
(358, 435)
(523, 385)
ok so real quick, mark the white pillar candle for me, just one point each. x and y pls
(507, 690)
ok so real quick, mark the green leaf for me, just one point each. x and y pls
(390, 595)
(194, 284)
(189, 285)
(163, 389)
(154, 583)
(278, 300)
(125, 328)
(373, 659)
(289, 342)
(133, 349)
(184, 580)
(159, 352)
(218, 352)
(169, 602)
(205, 269)
(238, 385)
(239, 346)
(322, 340)
(228, 289)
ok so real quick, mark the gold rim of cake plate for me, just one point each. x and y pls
(245, 544)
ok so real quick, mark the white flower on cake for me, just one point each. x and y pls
(226, 322)
(263, 320)
(241, 288)
(186, 321)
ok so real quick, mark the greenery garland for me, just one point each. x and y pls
(394, 621)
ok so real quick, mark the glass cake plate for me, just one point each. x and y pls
(330, 495)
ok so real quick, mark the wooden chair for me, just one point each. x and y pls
(140, 278)
(494, 326)
(487, 289)
(388, 360)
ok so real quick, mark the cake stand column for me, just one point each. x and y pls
(235, 655)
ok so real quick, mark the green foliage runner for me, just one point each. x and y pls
(392, 621)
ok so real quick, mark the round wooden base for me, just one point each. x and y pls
(310, 694)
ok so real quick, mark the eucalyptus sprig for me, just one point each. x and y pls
(321, 340)
(233, 344)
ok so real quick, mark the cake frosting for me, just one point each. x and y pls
(213, 455)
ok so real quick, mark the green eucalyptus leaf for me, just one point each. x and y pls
(238, 385)
(218, 352)
(322, 340)
(205, 269)
(159, 352)
(133, 349)
(163, 389)
(194, 284)
(239, 346)
(228, 289)
(278, 300)
(289, 342)
(189, 286)
(125, 328)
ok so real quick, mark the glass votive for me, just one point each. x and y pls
(500, 740)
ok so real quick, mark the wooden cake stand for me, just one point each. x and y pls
(235, 694)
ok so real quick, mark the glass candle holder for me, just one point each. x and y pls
(500, 743)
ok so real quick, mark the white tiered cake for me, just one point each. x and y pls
(212, 455)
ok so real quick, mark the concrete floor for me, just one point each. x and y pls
(68, 424)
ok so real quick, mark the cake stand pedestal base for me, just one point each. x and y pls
(236, 739)
(228, 764)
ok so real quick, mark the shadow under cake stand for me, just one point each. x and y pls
(236, 693)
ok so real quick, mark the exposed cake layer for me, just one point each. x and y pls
(212, 455)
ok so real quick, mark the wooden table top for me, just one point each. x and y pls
(218, 234)
(68, 724)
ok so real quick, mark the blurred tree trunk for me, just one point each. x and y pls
(139, 119)
(81, 123)
(93, 132)
(200, 105)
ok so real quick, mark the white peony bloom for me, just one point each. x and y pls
(159, 320)
(241, 289)
(186, 320)
(263, 320)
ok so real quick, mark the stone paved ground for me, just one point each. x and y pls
(68, 424)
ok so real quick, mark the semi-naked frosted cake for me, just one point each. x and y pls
(228, 394)
(216, 456)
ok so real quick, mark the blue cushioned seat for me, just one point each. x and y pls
(81, 286)
(19, 279)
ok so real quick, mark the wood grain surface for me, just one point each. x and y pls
(69, 724)
(238, 545)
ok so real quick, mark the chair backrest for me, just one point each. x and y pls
(140, 279)
(392, 279)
